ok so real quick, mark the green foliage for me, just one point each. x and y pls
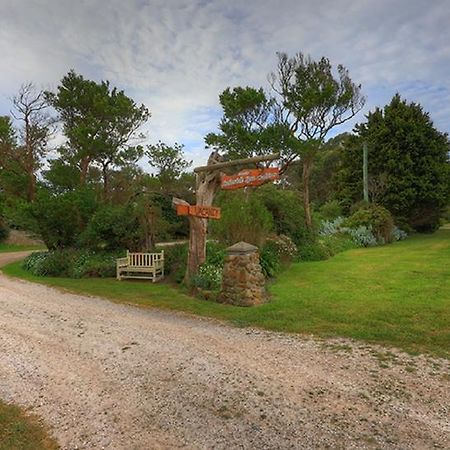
(4, 230)
(244, 218)
(408, 169)
(331, 210)
(60, 218)
(98, 121)
(175, 261)
(169, 161)
(71, 263)
(287, 211)
(313, 250)
(111, 228)
(269, 259)
(209, 277)
(56, 263)
(338, 243)
(374, 217)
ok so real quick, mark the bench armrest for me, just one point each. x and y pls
(122, 262)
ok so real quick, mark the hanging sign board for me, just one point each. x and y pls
(251, 177)
(206, 212)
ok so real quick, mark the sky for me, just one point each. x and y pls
(177, 56)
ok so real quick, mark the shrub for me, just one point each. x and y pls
(244, 218)
(331, 227)
(94, 265)
(215, 254)
(313, 251)
(375, 218)
(363, 236)
(57, 263)
(338, 243)
(269, 259)
(331, 210)
(399, 235)
(175, 261)
(209, 277)
(4, 230)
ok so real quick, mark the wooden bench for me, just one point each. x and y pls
(148, 266)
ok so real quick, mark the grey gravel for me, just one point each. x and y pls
(107, 376)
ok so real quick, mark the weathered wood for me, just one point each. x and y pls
(252, 177)
(236, 162)
(206, 212)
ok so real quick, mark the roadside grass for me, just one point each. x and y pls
(6, 248)
(22, 432)
(396, 295)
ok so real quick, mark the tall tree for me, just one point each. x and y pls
(24, 149)
(408, 164)
(101, 124)
(313, 101)
(308, 102)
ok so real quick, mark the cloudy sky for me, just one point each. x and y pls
(176, 56)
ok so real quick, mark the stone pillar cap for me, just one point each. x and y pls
(241, 248)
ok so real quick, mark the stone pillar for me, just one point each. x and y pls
(243, 282)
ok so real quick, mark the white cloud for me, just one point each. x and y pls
(177, 56)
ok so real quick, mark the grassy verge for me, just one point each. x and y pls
(4, 248)
(19, 431)
(397, 295)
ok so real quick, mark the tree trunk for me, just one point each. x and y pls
(84, 165)
(307, 168)
(207, 185)
(105, 177)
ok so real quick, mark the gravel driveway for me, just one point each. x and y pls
(102, 375)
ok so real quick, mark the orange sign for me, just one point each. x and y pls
(206, 212)
(251, 177)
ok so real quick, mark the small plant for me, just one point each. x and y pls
(363, 236)
(399, 235)
(209, 277)
(330, 227)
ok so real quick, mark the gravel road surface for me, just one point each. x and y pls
(102, 375)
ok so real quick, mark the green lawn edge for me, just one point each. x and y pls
(396, 295)
(19, 430)
(9, 248)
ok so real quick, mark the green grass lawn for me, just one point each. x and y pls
(397, 295)
(21, 432)
(4, 248)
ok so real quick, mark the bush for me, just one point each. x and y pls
(313, 251)
(338, 243)
(175, 261)
(70, 263)
(399, 235)
(57, 263)
(331, 210)
(363, 236)
(269, 259)
(375, 218)
(94, 266)
(4, 230)
(209, 277)
(331, 227)
(244, 218)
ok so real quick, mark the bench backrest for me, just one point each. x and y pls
(145, 259)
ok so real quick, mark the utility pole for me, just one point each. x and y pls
(365, 173)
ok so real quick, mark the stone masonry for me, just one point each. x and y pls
(243, 281)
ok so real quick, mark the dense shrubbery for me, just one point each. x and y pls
(244, 218)
(71, 263)
(375, 218)
(4, 230)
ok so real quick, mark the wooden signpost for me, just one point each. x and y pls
(205, 212)
(251, 177)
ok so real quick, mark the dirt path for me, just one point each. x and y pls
(108, 376)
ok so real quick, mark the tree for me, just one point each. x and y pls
(408, 168)
(22, 150)
(169, 161)
(308, 102)
(100, 123)
(313, 102)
